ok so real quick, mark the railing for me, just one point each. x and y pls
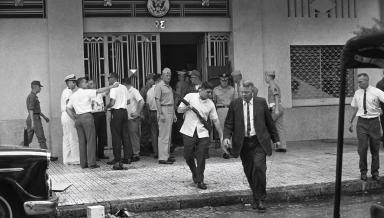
(22, 9)
(138, 8)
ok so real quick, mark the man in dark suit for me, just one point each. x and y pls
(251, 127)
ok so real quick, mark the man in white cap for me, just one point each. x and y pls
(70, 139)
(165, 116)
(274, 100)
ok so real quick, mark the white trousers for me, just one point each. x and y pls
(71, 153)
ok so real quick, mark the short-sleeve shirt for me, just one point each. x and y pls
(133, 98)
(65, 98)
(273, 90)
(33, 103)
(191, 123)
(223, 96)
(81, 100)
(164, 93)
(237, 87)
(373, 98)
(151, 98)
(120, 95)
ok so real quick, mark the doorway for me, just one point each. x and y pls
(179, 51)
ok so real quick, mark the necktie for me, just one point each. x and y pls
(248, 121)
(365, 101)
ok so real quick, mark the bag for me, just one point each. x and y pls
(275, 115)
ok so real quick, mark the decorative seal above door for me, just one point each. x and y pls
(158, 8)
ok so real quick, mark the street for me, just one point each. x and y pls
(356, 206)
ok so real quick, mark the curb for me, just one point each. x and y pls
(275, 194)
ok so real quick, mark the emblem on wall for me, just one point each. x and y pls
(158, 8)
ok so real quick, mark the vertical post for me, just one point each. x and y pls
(340, 142)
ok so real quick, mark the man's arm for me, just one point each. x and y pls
(229, 122)
(270, 124)
(44, 117)
(31, 116)
(71, 113)
(355, 109)
(111, 103)
(216, 122)
(106, 89)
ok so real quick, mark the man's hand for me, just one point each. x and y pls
(350, 128)
(160, 117)
(46, 119)
(277, 144)
(226, 143)
(174, 118)
(115, 85)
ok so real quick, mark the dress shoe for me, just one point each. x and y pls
(126, 161)
(165, 162)
(281, 150)
(201, 185)
(376, 178)
(363, 177)
(94, 166)
(259, 206)
(54, 158)
(135, 159)
(111, 162)
(119, 166)
(172, 159)
(226, 156)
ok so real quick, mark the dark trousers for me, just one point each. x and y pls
(195, 147)
(368, 133)
(37, 129)
(119, 132)
(101, 132)
(86, 132)
(145, 133)
(253, 158)
(154, 130)
(382, 126)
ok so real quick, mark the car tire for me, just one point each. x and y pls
(10, 206)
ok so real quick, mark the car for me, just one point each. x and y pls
(25, 187)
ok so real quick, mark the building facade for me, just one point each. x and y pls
(300, 39)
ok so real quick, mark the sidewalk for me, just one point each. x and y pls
(306, 170)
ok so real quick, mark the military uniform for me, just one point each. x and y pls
(33, 104)
(274, 90)
(222, 96)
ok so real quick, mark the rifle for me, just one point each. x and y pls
(205, 123)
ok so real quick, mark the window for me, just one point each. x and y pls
(22, 9)
(322, 8)
(315, 75)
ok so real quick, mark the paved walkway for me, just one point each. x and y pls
(306, 162)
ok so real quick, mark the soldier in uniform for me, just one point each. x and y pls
(34, 125)
(181, 90)
(196, 81)
(274, 100)
(222, 97)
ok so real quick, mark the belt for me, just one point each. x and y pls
(372, 118)
(88, 113)
(36, 113)
(114, 109)
(222, 106)
(153, 110)
(167, 105)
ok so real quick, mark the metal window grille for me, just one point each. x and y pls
(138, 8)
(218, 51)
(338, 9)
(315, 72)
(26, 9)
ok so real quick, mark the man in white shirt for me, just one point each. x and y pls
(70, 140)
(135, 104)
(195, 135)
(366, 104)
(119, 124)
(79, 108)
(151, 103)
(100, 118)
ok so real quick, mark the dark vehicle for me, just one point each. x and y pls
(25, 188)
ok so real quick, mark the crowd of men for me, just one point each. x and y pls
(143, 122)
